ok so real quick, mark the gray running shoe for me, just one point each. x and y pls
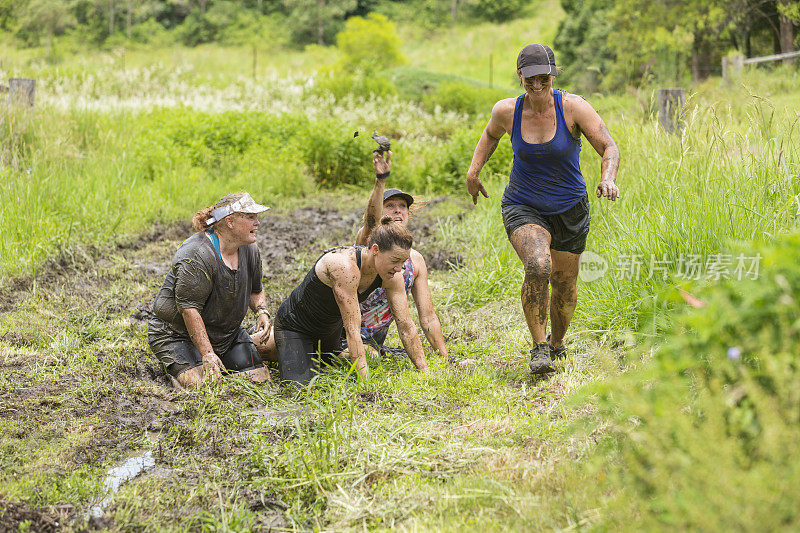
(540, 359)
(557, 353)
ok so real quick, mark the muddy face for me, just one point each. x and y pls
(390, 262)
(242, 227)
(537, 87)
(397, 208)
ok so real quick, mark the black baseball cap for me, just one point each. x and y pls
(536, 59)
(388, 193)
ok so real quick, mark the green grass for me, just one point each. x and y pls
(445, 450)
(111, 152)
(466, 50)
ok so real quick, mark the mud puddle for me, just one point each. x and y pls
(18, 516)
(118, 475)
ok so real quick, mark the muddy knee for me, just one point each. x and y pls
(242, 357)
(190, 378)
(564, 287)
(538, 267)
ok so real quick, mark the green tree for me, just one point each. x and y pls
(317, 21)
(789, 12)
(581, 44)
(369, 44)
(9, 11)
(635, 41)
(45, 17)
(497, 10)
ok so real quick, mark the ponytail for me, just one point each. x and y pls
(199, 218)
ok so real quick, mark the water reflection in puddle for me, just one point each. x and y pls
(118, 475)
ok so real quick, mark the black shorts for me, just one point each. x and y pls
(182, 355)
(299, 354)
(568, 230)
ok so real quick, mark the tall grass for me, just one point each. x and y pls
(733, 176)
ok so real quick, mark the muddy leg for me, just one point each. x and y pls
(564, 280)
(259, 375)
(532, 244)
(267, 351)
(190, 378)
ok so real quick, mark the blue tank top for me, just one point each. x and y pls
(545, 176)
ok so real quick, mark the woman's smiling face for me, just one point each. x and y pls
(536, 86)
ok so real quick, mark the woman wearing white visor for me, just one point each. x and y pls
(196, 328)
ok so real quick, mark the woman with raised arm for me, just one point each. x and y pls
(196, 328)
(376, 316)
(545, 205)
(310, 321)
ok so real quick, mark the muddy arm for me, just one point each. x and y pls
(428, 319)
(398, 303)
(374, 210)
(486, 146)
(596, 132)
(258, 304)
(344, 279)
(197, 332)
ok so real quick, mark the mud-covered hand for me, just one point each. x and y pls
(382, 163)
(608, 189)
(212, 364)
(263, 327)
(475, 186)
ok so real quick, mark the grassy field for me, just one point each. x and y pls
(104, 173)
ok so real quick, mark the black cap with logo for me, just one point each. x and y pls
(536, 59)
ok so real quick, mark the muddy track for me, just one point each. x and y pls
(86, 290)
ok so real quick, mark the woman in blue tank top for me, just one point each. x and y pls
(545, 204)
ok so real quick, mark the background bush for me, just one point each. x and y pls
(369, 44)
(342, 84)
(497, 10)
(464, 98)
(709, 426)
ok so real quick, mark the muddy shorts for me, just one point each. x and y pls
(299, 354)
(180, 355)
(568, 230)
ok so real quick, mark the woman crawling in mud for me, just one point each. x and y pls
(311, 319)
(376, 315)
(196, 328)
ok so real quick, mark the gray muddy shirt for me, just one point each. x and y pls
(199, 279)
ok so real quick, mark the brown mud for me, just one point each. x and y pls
(121, 391)
(15, 516)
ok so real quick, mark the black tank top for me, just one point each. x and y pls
(311, 309)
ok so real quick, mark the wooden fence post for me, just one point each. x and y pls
(731, 66)
(670, 109)
(21, 91)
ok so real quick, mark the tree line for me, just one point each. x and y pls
(611, 44)
(36, 22)
(602, 44)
